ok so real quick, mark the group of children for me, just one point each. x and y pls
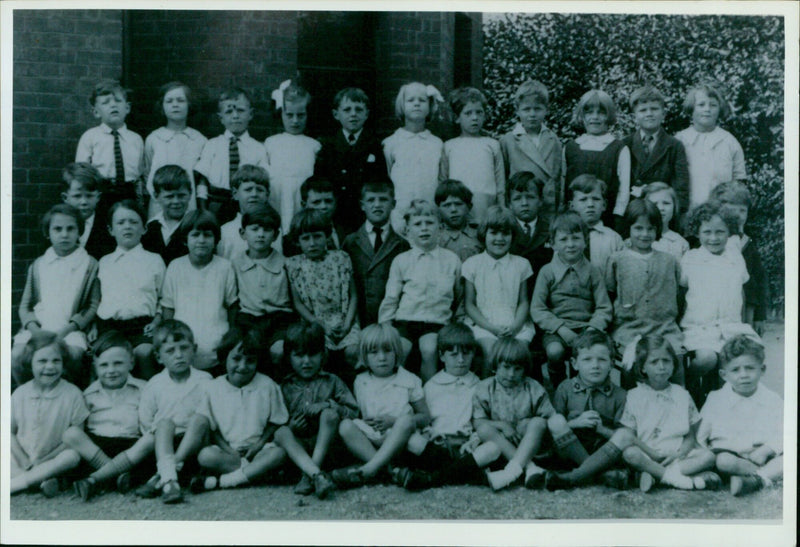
(469, 252)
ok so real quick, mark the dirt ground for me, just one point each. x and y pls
(458, 502)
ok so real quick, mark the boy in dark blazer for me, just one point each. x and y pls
(524, 197)
(655, 155)
(83, 189)
(373, 247)
(166, 232)
(350, 157)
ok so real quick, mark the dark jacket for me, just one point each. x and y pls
(533, 248)
(666, 164)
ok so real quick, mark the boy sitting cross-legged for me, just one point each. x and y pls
(742, 423)
(168, 402)
(242, 409)
(112, 443)
(586, 427)
(317, 401)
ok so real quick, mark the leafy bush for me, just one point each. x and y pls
(572, 53)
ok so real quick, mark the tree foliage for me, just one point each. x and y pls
(572, 53)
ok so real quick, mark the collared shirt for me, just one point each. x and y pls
(478, 163)
(214, 162)
(392, 395)
(603, 242)
(520, 132)
(660, 418)
(263, 284)
(241, 414)
(573, 296)
(528, 228)
(449, 399)
(299, 394)
(167, 231)
(165, 399)
(742, 424)
(60, 281)
(645, 138)
(370, 229)
(573, 397)
(598, 143)
(421, 286)
(130, 283)
(167, 147)
(114, 412)
(492, 401)
(462, 242)
(87, 230)
(347, 134)
(40, 418)
(201, 297)
(497, 282)
(713, 158)
(96, 146)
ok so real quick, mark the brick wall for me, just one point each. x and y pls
(208, 51)
(58, 56)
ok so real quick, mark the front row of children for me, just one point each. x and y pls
(238, 428)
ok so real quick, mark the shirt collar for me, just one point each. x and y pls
(714, 136)
(560, 268)
(531, 223)
(370, 228)
(665, 394)
(519, 130)
(72, 260)
(444, 378)
(272, 263)
(578, 385)
(166, 135)
(51, 394)
(347, 134)
(408, 135)
(604, 139)
(417, 252)
(241, 137)
(96, 386)
(494, 262)
(106, 129)
(451, 235)
(119, 252)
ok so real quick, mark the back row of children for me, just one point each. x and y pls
(692, 163)
(239, 428)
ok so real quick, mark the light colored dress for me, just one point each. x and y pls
(478, 163)
(290, 161)
(646, 287)
(167, 147)
(413, 161)
(392, 396)
(714, 300)
(660, 418)
(497, 284)
(323, 286)
(713, 158)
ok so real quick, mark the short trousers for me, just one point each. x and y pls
(414, 330)
(132, 329)
(111, 446)
(273, 325)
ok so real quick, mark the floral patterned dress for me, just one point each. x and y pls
(323, 286)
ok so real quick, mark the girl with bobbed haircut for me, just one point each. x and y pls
(713, 92)
(511, 351)
(594, 98)
(39, 340)
(380, 336)
(648, 344)
(642, 208)
(462, 96)
(500, 219)
(307, 221)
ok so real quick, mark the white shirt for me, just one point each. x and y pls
(61, 278)
(214, 162)
(96, 146)
(370, 229)
(531, 225)
(715, 286)
(392, 395)
(130, 283)
(165, 399)
(449, 399)
(166, 230)
(661, 419)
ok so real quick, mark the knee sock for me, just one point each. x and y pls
(114, 468)
(569, 446)
(602, 459)
(99, 459)
(234, 478)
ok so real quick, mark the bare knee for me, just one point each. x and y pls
(536, 425)
(726, 462)
(351, 355)
(632, 455)
(557, 424)
(329, 418)
(427, 345)
(555, 352)
(70, 458)
(283, 435)
(276, 351)
(208, 456)
(347, 428)
(405, 424)
(704, 361)
(623, 438)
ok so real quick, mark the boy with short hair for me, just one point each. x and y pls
(742, 423)
(655, 155)
(585, 428)
(168, 402)
(317, 401)
(454, 201)
(586, 198)
(83, 190)
(524, 198)
(318, 194)
(242, 408)
(352, 156)
(166, 232)
(222, 155)
(736, 197)
(373, 247)
(116, 151)
(112, 443)
(423, 287)
(532, 146)
(250, 189)
(264, 300)
(569, 296)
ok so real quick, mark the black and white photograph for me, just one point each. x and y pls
(523, 274)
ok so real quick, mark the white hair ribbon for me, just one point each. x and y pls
(277, 95)
(433, 92)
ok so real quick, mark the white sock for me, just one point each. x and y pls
(501, 479)
(234, 478)
(765, 478)
(166, 468)
(486, 453)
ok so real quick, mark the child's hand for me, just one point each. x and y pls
(316, 409)
(381, 423)
(589, 419)
(669, 459)
(508, 431)
(567, 334)
(298, 423)
(505, 331)
(151, 326)
(254, 449)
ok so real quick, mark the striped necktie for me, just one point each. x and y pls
(233, 156)
(118, 163)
